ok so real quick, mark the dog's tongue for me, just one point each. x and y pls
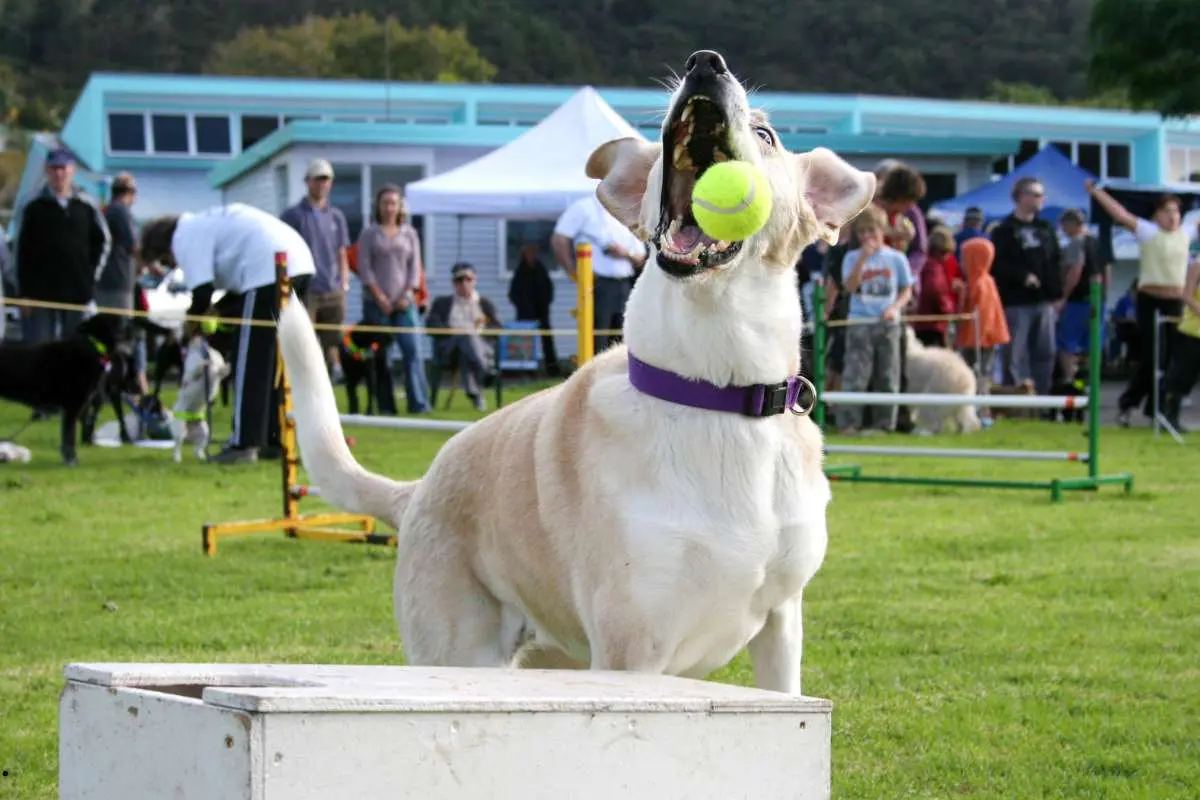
(687, 237)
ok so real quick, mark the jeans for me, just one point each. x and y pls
(1031, 352)
(416, 388)
(48, 324)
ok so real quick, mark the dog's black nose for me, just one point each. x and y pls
(705, 62)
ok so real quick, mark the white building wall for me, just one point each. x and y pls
(255, 188)
(172, 192)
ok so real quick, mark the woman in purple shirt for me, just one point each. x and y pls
(389, 266)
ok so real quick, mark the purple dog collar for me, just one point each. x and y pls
(759, 400)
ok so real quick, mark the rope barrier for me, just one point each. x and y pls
(321, 326)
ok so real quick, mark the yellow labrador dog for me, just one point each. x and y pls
(661, 509)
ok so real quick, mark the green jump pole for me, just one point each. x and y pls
(1095, 365)
(818, 355)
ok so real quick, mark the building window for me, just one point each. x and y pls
(170, 133)
(1029, 148)
(1064, 148)
(536, 233)
(1177, 164)
(1183, 164)
(127, 133)
(938, 186)
(255, 129)
(212, 135)
(347, 195)
(1090, 157)
(302, 118)
(1119, 161)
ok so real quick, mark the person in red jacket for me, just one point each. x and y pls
(938, 296)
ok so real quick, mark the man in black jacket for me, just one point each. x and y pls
(1028, 275)
(61, 247)
(532, 293)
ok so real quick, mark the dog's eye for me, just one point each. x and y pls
(765, 134)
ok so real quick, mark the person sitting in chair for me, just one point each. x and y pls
(465, 310)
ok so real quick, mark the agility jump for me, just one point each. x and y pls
(1092, 481)
(358, 528)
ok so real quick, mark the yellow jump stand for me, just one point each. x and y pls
(328, 527)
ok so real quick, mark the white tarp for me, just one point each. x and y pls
(535, 176)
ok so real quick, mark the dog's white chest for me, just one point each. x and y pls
(731, 528)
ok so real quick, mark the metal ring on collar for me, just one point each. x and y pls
(796, 408)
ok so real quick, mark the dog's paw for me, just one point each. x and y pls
(70, 460)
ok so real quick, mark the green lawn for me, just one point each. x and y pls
(975, 644)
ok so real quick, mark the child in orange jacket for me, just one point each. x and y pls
(983, 299)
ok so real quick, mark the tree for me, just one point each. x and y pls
(1148, 48)
(352, 46)
(1029, 95)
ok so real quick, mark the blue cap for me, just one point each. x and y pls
(60, 157)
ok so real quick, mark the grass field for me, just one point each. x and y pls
(975, 644)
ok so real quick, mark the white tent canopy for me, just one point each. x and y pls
(535, 176)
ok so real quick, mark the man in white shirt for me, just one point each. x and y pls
(232, 248)
(617, 257)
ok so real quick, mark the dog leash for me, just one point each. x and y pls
(208, 418)
(13, 437)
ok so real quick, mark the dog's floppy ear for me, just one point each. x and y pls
(835, 190)
(623, 168)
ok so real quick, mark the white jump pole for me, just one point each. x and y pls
(952, 400)
(401, 423)
(948, 452)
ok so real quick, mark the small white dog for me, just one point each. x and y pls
(661, 509)
(188, 418)
(940, 370)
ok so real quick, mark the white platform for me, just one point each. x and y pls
(261, 732)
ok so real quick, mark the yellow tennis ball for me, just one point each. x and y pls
(732, 201)
(209, 326)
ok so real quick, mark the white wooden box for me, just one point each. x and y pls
(266, 732)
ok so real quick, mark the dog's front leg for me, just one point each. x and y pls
(114, 398)
(70, 418)
(776, 650)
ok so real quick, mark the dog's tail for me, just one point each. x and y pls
(323, 449)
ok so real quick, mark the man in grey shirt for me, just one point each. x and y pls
(115, 284)
(323, 227)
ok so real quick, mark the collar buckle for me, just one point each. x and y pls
(767, 400)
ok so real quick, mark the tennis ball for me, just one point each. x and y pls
(732, 201)
(209, 326)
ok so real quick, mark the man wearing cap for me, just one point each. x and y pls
(323, 227)
(61, 248)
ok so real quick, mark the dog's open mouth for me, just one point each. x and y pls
(697, 138)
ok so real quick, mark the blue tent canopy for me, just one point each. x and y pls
(1062, 180)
